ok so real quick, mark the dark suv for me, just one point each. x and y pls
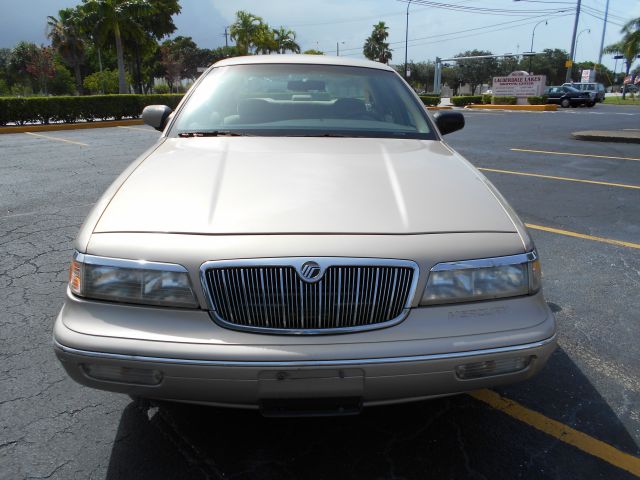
(596, 90)
(568, 97)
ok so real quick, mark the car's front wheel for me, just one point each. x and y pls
(565, 103)
(591, 104)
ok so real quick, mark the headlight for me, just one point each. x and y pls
(131, 281)
(483, 279)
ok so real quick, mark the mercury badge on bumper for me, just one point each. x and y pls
(301, 240)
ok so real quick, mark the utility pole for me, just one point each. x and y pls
(573, 43)
(337, 49)
(406, 41)
(226, 37)
(604, 30)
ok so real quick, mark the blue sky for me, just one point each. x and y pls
(322, 23)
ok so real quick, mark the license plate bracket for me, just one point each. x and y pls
(314, 383)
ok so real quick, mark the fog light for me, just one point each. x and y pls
(492, 367)
(112, 373)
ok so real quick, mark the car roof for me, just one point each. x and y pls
(302, 59)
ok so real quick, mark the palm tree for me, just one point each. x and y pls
(628, 47)
(286, 40)
(246, 30)
(64, 33)
(375, 47)
(114, 19)
(265, 41)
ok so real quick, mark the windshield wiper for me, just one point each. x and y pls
(213, 133)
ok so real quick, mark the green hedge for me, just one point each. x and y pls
(45, 110)
(486, 98)
(430, 101)
(537, 100)
(504, 100)
(466, 100)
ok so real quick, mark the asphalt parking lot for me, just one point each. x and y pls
(580, 418)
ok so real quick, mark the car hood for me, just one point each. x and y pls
(251, 185)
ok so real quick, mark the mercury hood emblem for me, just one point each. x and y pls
(310, 271)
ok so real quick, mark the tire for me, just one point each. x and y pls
(565, 103)
(591, 104)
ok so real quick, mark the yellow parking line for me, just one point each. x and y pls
(552, 177)
(610, 241)
(140, 128)
(562, 432)
(573, 154)
(484, 113)
(57, 139)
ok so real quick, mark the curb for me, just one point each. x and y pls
(607, 136)
(532, 108)
(439, 108)
(70, 126)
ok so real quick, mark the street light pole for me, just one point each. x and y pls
(406, 41)
(532, 36)
(573, 43)
(575, 53)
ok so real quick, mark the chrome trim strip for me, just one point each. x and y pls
(128, 263)
(305, 363)
(487, 262)
(297, 262)
(310, 331)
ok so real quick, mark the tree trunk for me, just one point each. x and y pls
(101, 76)
(122, 82)
(76, 70)
(624, 85)
(138, 70)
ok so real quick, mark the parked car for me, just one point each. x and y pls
(632, 88)
(596, 90)
(301, 240)
(568, 97)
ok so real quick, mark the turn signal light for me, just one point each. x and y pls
(75, 277)
(113, 373)
(490, 368)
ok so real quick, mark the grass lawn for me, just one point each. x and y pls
(626, 101)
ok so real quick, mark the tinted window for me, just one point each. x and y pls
(304, 100)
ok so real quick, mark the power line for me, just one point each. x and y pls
(489, 31)
(481, 10)
(492, 30)
(595, 11)
(359, 19)
(616, 13)
(599, 17)
(525, 19)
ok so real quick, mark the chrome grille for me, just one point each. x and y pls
(275, 297)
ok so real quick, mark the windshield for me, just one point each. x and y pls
(303, 100)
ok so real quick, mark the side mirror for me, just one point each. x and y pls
(156, 116)
(448, 122)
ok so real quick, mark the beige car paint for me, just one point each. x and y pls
(253, 185)
(192, 200)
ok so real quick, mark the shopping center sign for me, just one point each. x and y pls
(519, 84)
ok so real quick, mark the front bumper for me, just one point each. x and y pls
(376, 381)
(246, 369)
